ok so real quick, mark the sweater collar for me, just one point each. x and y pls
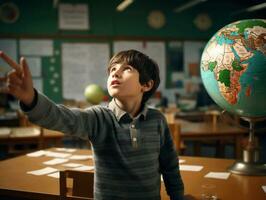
(119, 113)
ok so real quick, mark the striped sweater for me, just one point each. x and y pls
(129, 154)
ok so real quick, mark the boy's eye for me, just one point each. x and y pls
(128, 68)
(112, 69)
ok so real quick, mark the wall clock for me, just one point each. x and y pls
(9, 12)
(156, 19)
(203, 21)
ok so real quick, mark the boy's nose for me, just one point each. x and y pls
(117, 73)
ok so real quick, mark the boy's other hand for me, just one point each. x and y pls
(18, 81)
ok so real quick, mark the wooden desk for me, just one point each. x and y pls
(202, 131)
(235, 187)
(43, 138)
(15, 182)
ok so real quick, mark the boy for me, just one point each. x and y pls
(132, 144)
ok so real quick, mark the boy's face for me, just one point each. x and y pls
(123, 82)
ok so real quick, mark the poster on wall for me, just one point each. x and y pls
(36, 47)
(175, 65)
(192, 56)
(155, 50)
(73, 16)
(83, 64)
(9, 46)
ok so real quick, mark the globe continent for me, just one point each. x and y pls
(233, 67)
(94, 94)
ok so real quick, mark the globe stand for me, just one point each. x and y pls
(250, 164)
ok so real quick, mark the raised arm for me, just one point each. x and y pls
(18, 81)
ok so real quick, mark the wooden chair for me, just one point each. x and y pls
(76, 185)
(175, 130)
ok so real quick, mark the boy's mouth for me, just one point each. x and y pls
(115, 82)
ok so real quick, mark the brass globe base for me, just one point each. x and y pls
(254, 169)
(250, 164)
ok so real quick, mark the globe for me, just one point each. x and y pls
(233, 68)
(94, 94)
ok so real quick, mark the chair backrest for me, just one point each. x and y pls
(76, 185)
(175, 130)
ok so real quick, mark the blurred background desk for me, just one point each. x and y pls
(219, 132)
(21, 140)
(15, 182)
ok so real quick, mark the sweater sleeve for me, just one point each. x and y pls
(73, 121)
(169, 166)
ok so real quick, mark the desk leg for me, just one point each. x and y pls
(197, 148)
(238, 148)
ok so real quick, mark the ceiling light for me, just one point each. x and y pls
(250, 9)
(188, 5)
(123, 5)
(256, 7)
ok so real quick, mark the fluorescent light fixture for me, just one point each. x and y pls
(250, 9)
(188, 5)
(123, 5)
(256, 7)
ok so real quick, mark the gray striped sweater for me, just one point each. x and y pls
(129, 154)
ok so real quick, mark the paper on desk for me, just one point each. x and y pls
(55, 161)
(46, 170)
(190, 167)
(218, 175)
(4, 132)
(80, 157)
(57, 154)
(54, 175)
(84, 168)
(36, 153)
(181, 161)
(264, 188)
(72, 165)
(66, 150)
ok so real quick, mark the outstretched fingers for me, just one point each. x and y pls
(25, 67)
(10, 62)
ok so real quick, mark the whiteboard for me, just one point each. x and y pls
(83, 64)
(155, 50)
(9, 46)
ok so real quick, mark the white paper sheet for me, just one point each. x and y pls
(46, 170)
(84, 168)
(57, 154)
(190, 167)
(72, 165)
(81, 157)
(66, 150)
(36, 47)
(83, 64)
(218, 175)
(54, 175)
(55, 161)
(264, 188)
(73, 16)
(37, 153)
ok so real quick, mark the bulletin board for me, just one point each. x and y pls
(62, 68)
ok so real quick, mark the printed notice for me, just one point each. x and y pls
(46, 170)
(190, 167)
(218, 175)
(55, 161)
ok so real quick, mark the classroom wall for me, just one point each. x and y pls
(182, 41)
(40, 18)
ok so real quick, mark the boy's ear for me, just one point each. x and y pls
(147, 86)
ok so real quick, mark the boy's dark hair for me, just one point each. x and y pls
(147, 68)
